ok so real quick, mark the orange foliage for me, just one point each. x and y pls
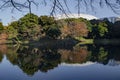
(74, 29)
(3, 49)
(77, 55)
(78, 29)
(3, 38)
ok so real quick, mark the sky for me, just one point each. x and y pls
(7, 16)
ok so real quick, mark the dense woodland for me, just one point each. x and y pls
(32, 28)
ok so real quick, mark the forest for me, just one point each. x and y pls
(33, 28)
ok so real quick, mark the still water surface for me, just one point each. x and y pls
(67, 62)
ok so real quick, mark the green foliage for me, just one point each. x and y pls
(110, 27)
(12, 32)
(102, 28)
(53, 31)
(31, 27)
(1, 27)
(14, 24)
(102, 55)
(70, 20)
(50, 28)
(46, 20)
(28, 27)
(29, 20)
(12, 55)
(99, 29)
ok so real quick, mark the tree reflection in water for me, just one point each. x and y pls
(1, 57)
(32, 59)
(3, 50)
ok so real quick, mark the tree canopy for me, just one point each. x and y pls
(28, 26)
(1, 27)
(32, 28)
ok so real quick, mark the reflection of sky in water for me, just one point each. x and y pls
(79, 65)
(94, 71)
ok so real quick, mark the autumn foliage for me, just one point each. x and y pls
(74, 29)
(3, 38)
(77, 55)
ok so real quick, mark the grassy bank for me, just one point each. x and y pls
(84, 41)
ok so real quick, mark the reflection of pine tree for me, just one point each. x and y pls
(51, 59)
(33, 59)
(102, 56)
(28, 60)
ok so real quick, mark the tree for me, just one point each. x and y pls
(102, 55)
(1, 27)
(11, 32)
(53, 31)
(99, 29)
(14, 24)
(78, 29)
(46, 20)
(28, 27)
(87, 22)
(74, 28)
(49, 26)
(102, 28)
(110, 27)
(116, 30)
(65, 32)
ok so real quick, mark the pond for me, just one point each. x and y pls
(60, 62)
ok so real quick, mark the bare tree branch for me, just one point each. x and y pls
(62, 5)
(29, 5)
(53, 8)
(13, 3)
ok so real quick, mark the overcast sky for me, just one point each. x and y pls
(7, 16)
